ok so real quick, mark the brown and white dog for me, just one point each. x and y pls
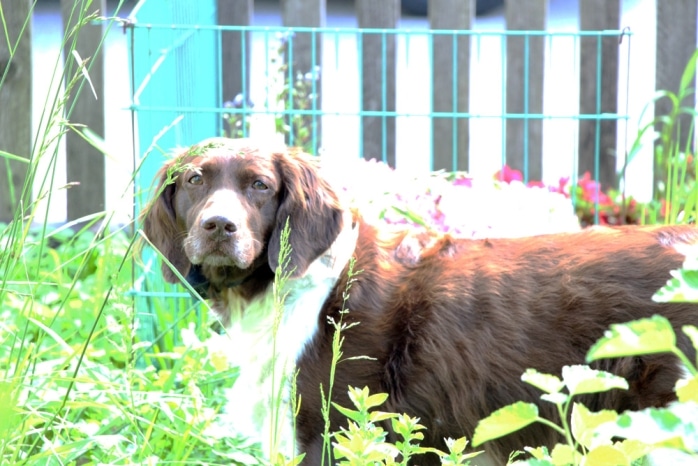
(447, 326)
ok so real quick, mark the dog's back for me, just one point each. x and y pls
(451, 325)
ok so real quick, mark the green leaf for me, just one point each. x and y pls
(682, 287)
(16, 158)
(374, 400)
(412, 216)
(564, 454)
(581, 379)
(585, 423)
(348, 413)
(539, 453)
(688, 74)
(10, 418)
(377, 416)
(505, 421)
(606, 455)
(633, 449)
(687, 390)
(546, 382)
(656, 426)
(555, 398)
(457, 446)
(644, 336)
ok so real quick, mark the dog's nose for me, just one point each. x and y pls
(218, 225)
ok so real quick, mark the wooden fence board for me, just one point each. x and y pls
(235, 50)
(451, 62)
(676, 42)
(15, 102)
(378, 74)
(307, 61)
(598, 15)
(85, 164)
(525, 65)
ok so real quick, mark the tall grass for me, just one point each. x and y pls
(81, 379)
(73, 387)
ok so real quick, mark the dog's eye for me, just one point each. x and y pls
(259, 185)
(195, 179)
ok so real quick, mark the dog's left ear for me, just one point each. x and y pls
(311, 208)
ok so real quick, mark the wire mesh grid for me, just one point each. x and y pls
(327, 103)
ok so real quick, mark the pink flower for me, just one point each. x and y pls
(591, 190)
(535, 184)
(462, 180)
(561, 186)
(508, 175)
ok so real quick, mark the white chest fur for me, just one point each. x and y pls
(266, 341)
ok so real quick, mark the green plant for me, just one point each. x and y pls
(298, 96)
(592, 438)
(74, 385)
(364, 442)
(295, 94)
(337, 339)
(675, 194)
(237, 122)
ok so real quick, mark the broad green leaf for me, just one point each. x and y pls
(581, 379)
(656, 426)
(687, 390)
(555, 398)
(546, 382)
(644, 336)
(585, 423)
(633, 449)
(681, 287)
(565, 454)
(505, 421)
(606, 455)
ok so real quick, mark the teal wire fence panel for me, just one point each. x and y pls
(334, 105)
(388, 94)
(173, 74)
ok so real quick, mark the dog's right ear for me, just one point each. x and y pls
(159, 223)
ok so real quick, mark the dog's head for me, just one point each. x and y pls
(221, 206)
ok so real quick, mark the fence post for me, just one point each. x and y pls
(378, 56)
(598, 90)
(84, 163)
(676, 43)
(306, 50)
(15, 105)
(450, 73)
(525, 65)
(235, 50)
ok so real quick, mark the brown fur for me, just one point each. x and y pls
(449, 324)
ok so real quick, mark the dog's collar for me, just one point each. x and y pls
(201, 285)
